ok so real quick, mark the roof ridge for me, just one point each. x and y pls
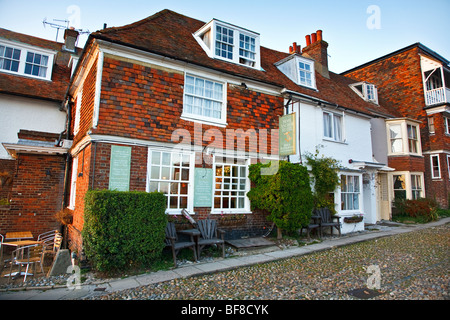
(142, 21)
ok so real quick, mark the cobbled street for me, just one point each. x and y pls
(414, 266)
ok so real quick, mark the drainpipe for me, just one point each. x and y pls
(69, 104)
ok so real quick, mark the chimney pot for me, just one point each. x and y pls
(294, 46)
(291, 50)
(319, 35)
(308, 40)
(313, 38)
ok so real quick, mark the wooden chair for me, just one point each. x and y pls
(313, 225)
(326, 220)
(27, 255)
(210, 235)
(176, 246)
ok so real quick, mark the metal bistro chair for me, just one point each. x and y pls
(28, 255)
(51, 246)
(210, 235)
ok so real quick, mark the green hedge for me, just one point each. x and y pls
(123, 230)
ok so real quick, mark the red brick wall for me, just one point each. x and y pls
(438, 189)
(407, 163)
(146, 103)
(36, 195)
(7, 172)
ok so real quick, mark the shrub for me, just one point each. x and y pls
(286, 195)
(424, 210)
(123, 230)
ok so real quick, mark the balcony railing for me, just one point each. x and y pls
(437, 96)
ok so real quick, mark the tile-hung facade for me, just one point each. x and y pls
(176, 105)
(414, 81)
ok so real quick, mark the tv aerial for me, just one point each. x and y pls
(61, 26)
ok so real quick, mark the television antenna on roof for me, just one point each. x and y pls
(61, 26)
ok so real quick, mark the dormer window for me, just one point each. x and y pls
(367, 91)
(25, 60)
(299, 69)
(227, 42)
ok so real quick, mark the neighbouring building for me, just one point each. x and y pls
(177, 105)
(414, 81)
(34, 76)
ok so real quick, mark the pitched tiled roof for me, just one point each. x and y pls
(169, 34)
(35, 88)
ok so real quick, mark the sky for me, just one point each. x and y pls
(357, 31)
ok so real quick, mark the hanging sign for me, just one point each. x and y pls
(287, 135)
(203, 187)
(119, 169)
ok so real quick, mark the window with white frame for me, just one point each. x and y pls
(332, 126)
(448, 165)
(447, 125)
(367, 91)
(230, 185)
(412, 138)
(230, 43)
(204, 99)
(431, 128)
(404, 138)
(24, 60)
(169, 172)
(305, 73)
(399, 183)
(350, 192)
(73, 183)
(416, 186)
(76, 125)
(435, 167)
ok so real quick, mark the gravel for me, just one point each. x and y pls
(414, 265)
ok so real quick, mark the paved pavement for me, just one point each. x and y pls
(84, 291)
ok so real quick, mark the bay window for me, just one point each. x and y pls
(403, 137)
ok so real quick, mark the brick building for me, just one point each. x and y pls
(177, 105)
(34, 75)
(414, 81)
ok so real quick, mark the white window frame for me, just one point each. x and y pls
(24, 50)
(221, 192)
(76, 125)
(333, 116)
(404, 137)
(73, 183)
(433, 176)
(207, 37)
(309, 74)
(176, 182)
(448, 166)
(358, 192)
(408, 177)
(368, 92)
(416, 186)
(186, 115)
(447, 125)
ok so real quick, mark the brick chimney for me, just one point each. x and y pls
(70, 39)
(316, 48)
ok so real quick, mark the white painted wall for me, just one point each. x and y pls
(18, 113)
(357, 145)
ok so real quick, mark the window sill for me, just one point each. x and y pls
(335, 141)
(228, 211)
(192, 118)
